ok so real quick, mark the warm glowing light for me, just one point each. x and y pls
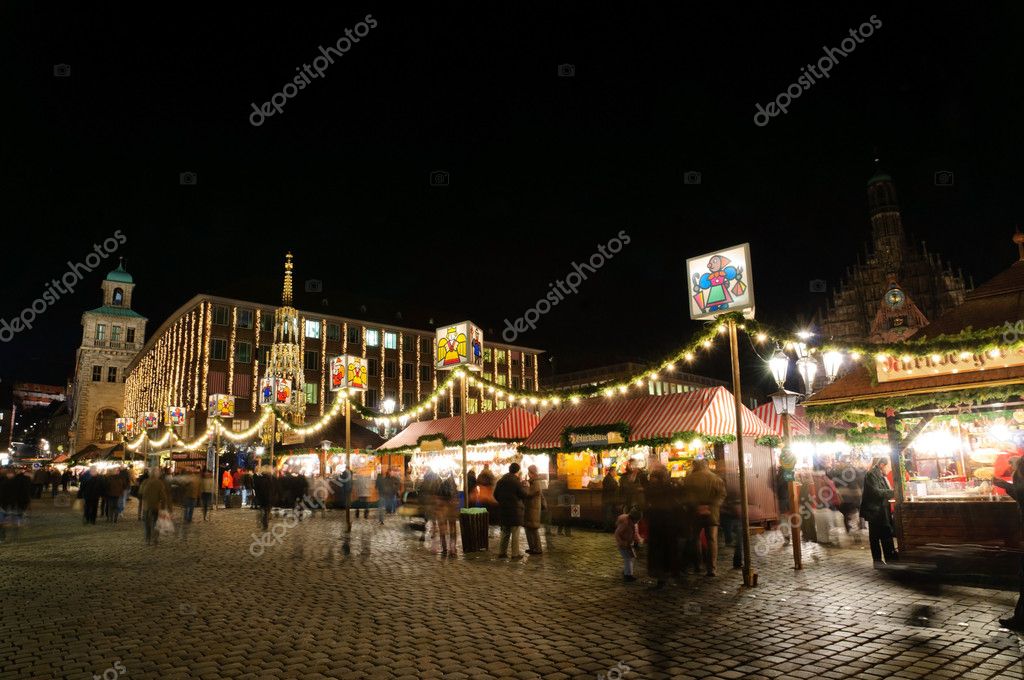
(965, 355)
(936, 358)
(804, 335)
(672, 367)
(761, 337)
(574, 400)
(609, 392)
(622, 389)
(882, 356)
(707, 344)
(993, 353)
(855, 356)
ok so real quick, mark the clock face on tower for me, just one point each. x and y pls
(895, 298)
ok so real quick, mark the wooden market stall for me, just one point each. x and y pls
(672, 430)
(954, 417)
(492, 438)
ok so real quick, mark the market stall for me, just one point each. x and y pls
(671, 430)
(492, 438)
(954, 418)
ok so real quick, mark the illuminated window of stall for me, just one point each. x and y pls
(239, 425)
(472, 405)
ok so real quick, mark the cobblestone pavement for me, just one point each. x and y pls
(83, 602)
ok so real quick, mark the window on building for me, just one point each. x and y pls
(407, 371)
(515, 363)
(408, 343)
(456, 406)
(243, 352)
(97, 373)
(499, 405)
(219, 349)
(372, 366)
(487, 353)
(115, 333)
(264, 355)
(117, 299)
(390, 340)
(390, 394)
(112, 374)
(526, 360)
(129, 335)
(425, 346)
(472, 405)
(220, 316)
(334, 332)
(425, 374)
(372, 337)
(312, 329)
(312, 360)
(101, 331)
(501, 379)
(266, 323)
(529, 383)
(515, 382)
(389, 368)
(408, 398)
(104, 426)
(354, 336)
(488, 405)
(310, 390)
(371, 398)
(499, 356)
(245, 318)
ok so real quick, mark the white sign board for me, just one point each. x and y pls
(721, 282)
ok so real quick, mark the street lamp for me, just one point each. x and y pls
(808, 369)
(779, 366)
(833, 361)
(785, 402)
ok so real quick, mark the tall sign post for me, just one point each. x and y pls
(459, 347)
(721, 283)
(348, 376)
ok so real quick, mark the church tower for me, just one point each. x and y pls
(111, 336)
(886, 223)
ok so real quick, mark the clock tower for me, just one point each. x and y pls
(898, 317)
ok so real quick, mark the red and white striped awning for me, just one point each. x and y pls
(710, 412)
(797, 423)
(510, 424)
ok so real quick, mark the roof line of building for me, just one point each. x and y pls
(956, 387)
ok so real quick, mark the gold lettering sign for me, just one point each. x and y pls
(893, 368)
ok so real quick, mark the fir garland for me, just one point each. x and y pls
(968, 397)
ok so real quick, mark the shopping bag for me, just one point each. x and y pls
(164, 524)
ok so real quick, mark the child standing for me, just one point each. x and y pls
(626, 536)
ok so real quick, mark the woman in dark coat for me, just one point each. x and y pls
(1015, 489)
(876, 509)
(511, 496)
(664, 527)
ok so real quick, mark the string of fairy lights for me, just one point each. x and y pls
(986, 345)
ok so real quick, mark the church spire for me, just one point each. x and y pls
(886, 222)
(286, 295)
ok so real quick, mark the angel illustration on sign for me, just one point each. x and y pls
(719, 286)
(451, 348)
(356, 376)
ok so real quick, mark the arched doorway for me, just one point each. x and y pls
(105, 425)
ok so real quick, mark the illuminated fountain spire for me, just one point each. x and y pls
(286, 294)
(285, 362)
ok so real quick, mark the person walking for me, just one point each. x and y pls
(65, 478)
(39, 479)
(446, 513)
(208, 487)
(511, 497)
(1015, 490)
(631, 485)
(363, 489)
(705, 493)
(114, 492)
(190, 495)
(227, 484)
(15, 498)
(383, 485)
(343, 499)
(532, 511)
(264, 489)
(154, 498)
(876, 509)
(610, 500)
(485, 486)
(627, 535)
(91, 489)
(664, 527)
(54, 479)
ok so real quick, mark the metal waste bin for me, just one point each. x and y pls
(474, 525)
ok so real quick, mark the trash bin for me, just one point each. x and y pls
(474, 525)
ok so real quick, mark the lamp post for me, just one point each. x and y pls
(833, 361)
(785, 405)
(808, 370)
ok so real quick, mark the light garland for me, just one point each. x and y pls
(247, 433)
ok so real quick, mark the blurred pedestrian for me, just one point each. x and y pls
(363, 490)
(877, 510)
(384, 488)
(631, 485)
(705, 492)
(114, 491)
(610, 500)
(190, 495)
(533, 507)
(91, 488)
(627, 536)
(1015, 490)
(471, 494)
(485, 486)
(227, 484)
(265, 488)
(15, 498)
(154, 498)
(208, 489)
(664, 527)
(511, 496)
(65, 477)
(446, 513)
(39, 479)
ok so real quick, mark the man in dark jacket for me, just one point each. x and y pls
(264, 488)
(510, 495)
(1015, 490)
(875, 508)
(610, 499)
(15, 498)
(91, 489)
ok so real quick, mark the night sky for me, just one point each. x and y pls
(542, 168)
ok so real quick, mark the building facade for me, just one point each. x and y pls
(926, 279)
(112, 335)
(216, 345)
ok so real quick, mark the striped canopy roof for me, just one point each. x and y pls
(710, 412)
(797, 422)
(510, 424)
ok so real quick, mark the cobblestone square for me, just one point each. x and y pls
(85, 601)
